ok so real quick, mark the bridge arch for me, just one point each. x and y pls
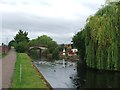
(38, 47)
(41, 50)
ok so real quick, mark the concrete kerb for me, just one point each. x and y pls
(40, 74)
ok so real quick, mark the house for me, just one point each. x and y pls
(72, 52)
(69, 52)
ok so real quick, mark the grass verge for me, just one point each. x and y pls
(29, 76)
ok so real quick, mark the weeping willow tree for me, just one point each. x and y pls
(99, 42)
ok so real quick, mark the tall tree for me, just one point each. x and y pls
(20, 41)
(46, 41)
(98, 43)
(12, 43)
(21, 36)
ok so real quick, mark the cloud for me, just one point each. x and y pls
(65, 9)
(59, 19)
(36, 26)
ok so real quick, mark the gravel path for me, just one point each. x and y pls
(8, 64)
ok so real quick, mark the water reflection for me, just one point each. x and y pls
(68, 77)
(57, 75)
(97, 79)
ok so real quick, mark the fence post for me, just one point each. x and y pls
(20, 72)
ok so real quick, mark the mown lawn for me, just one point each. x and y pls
(29, 76)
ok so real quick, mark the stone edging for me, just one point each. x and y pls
(40, 74)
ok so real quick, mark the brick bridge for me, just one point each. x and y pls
(41, 49)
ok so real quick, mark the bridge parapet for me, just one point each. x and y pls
(39, 47)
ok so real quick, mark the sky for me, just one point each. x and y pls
(59, 19)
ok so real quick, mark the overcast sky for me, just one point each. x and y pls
(59, 19)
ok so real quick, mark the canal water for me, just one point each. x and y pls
(97, 79)
(67, 77)
(57, 75)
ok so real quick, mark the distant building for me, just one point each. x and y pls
(72, 52)
(68, 46)
(69, 52)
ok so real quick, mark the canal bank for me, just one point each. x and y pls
(42, 77)
(25, 75)
(57, 75)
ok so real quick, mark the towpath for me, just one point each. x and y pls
(8, 64)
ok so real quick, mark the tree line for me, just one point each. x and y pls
(99, 41)
(22, 44)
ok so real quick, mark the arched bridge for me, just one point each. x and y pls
(39, 47)
(41, 50)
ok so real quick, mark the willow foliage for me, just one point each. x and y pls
(99, 42)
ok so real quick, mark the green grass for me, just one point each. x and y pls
(30, 77)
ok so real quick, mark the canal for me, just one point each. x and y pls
(97, 79)
(57, 75)
(67, 77)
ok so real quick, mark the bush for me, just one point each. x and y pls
(22, 47)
